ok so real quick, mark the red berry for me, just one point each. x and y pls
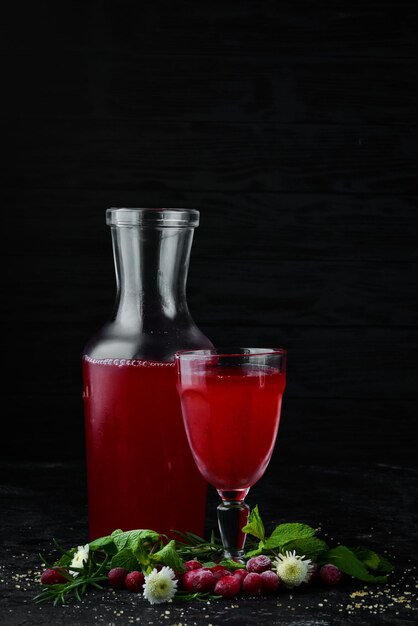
(240, 573)
(330, 574)
(219, 571)
(203, 580)
(252, 585)
(186, 580)
(52, 577)
(259, 564)
(189, 565)
(228, 586)
(270, 582)
(116, 577)
(134, 581)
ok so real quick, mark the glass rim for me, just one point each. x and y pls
(234, 352)
(143, 216)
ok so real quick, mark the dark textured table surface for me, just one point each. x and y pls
(369, 504)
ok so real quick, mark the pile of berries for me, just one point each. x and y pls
(121, 578)
(255, 579)
(118, 578)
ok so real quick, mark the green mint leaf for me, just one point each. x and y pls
(106, 544)
(368, 557)
(125, 558)
(209, 564)
(260, 550)
(284, 533)
(101, 542)
(372, 560)
(310, 547)
(118, 531)
(347, 562)
(231, 564)
(168, 556)
(385, 566)
(142, 555)
(132, 538)
(254, 525)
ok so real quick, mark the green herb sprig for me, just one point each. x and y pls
(190, 546)
(92, 575)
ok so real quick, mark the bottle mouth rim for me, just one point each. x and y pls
(167, 217)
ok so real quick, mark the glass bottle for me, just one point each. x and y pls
(140, 471)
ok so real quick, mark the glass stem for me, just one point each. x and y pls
(232, 516)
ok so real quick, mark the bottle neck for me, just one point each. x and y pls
(151, 266)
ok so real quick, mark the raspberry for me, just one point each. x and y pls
(52, 577)
(228, 586)
(259, 564)
(116, 577)
(219, 571)
(252, 585)
(240, 573)
(189, 565)
(134, 581)
(203, 580)
(270, 582)
(330, 574)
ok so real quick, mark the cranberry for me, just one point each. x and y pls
(186, 580)
(134, 581)
(189, 565)
(270, 582)
(259, 564)
(228, 586)
(252, 585)
(219, 571)
(203, 580)
(330, 574)
(240, 573)
(116, 577)
(52, 577)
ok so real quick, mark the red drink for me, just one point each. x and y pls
(232, 416)
(154, 483)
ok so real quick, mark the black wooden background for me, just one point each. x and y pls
(292, 127)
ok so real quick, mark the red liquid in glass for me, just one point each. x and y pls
(140, 470)
(232, 416)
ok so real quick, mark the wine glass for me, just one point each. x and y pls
(231, 403)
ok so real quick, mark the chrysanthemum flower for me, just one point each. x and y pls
(80, 558)
(292, 569)
(160, 586)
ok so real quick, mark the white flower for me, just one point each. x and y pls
(80, 558)
(292, 569)
(160, 586)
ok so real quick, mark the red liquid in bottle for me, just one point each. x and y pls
(140, 470)
(232, 416)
